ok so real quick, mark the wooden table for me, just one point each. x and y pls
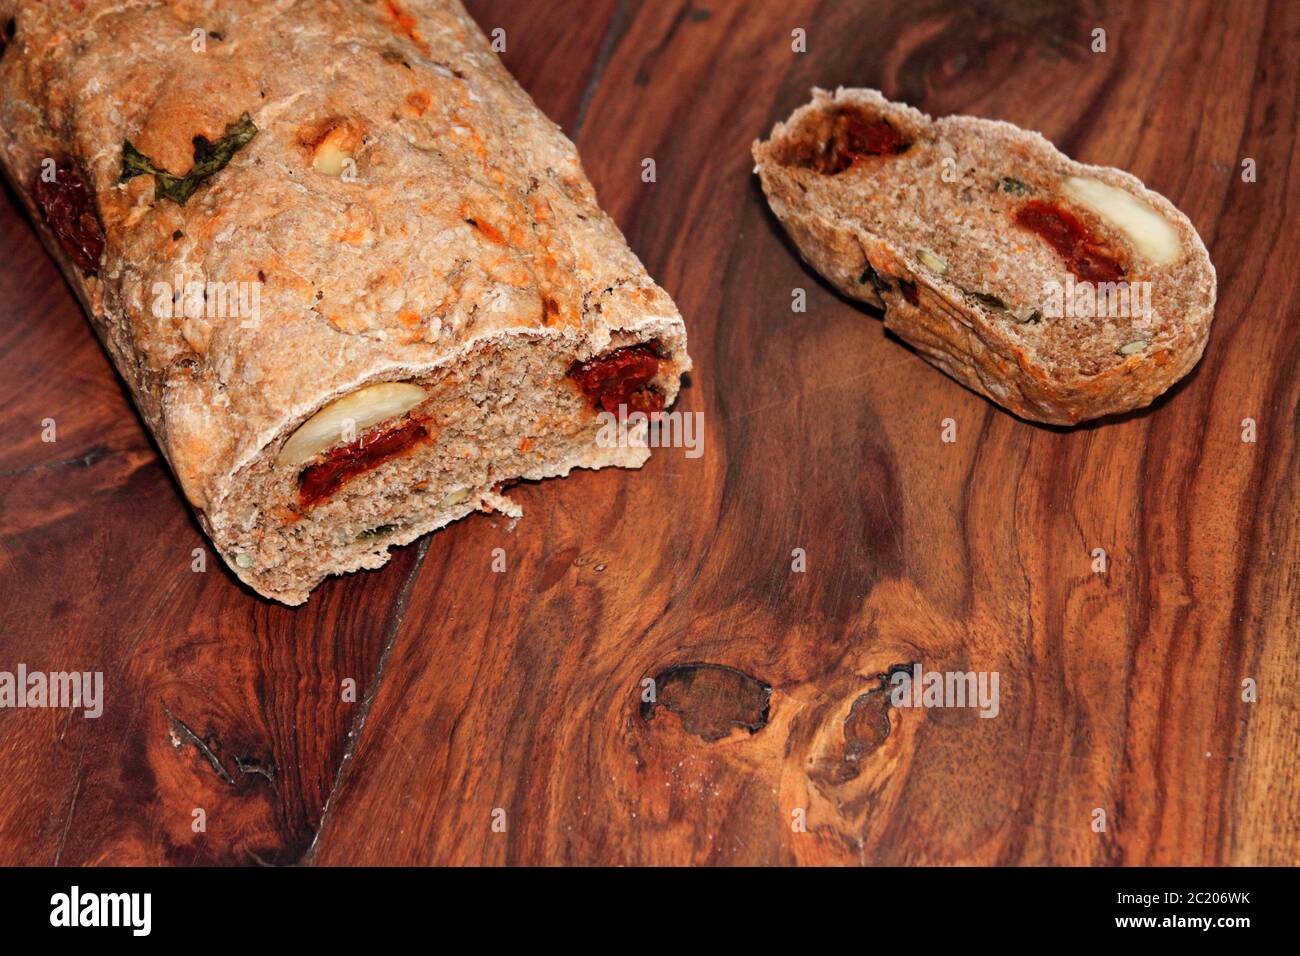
(499, 717)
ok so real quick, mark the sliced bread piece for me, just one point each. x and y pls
(1061, 291)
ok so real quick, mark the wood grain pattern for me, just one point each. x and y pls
(509, 724)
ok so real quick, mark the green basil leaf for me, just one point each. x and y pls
(871, 275)
(209, 159)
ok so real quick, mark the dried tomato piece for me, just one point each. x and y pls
(648, 401)
(7, 34)
(856, 135)
(1086, 255)
(621, 378)
(321, 480)
(844, 137)
(68, 206)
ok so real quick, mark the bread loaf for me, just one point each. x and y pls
(355, 280)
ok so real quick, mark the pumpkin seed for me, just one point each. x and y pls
(453, 499)
(1132, 348)
(989, 301)
(1021, 315)
(931, 261)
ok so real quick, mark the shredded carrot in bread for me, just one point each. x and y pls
(354, 236)
(490, 232)
(418, 102)
(405, 24)
(210, 226)
(285, 515)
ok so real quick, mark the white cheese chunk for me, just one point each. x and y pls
(346, 418)
(1151, 234)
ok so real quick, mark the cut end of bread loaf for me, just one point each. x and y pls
(1061, 291)
(388, 461)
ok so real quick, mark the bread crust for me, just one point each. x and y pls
(975, 345)
(468, 219)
